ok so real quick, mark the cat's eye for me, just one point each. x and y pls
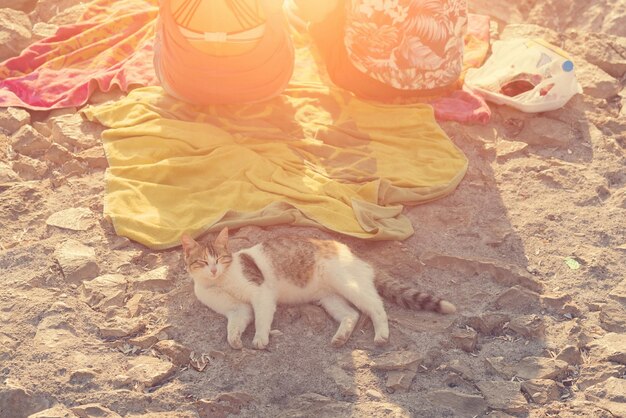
(200, 263)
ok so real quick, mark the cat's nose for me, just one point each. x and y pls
(213, 269)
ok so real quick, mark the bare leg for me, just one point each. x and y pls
(343, 313)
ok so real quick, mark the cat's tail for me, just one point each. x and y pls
(407, 296)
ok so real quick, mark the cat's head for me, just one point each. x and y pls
(207, 262)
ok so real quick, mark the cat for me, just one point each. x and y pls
(251, 282)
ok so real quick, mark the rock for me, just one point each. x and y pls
(461, 403)
(344, 382)
(609, 395)
(465, 339)
(592, 374)
(94, 410)
(75, 219)
(73, 168)
(461, 369)
(611, 347)
(374, 394)
(400, 379)
(134, 305)
(57, 411)
(500, 367)
(43, 30)
(149, 371)
(117, 328)
(547, 132)
(600, 49)
(529, 326)
(518, 299)
(48, 9)
(397, 360)
(77, 261)
(541, 391)
(308, 405)
(7, 175)
(613, 317)
(82, 376)
(29, 168)
(7, 345)
(595, 81)
(13, 118)
(104, 291)
(570, 355)
(619, 292)
(72, 131)
(540, 368)
(500, 11)
(57, 154)
(505, 150)
(153, 280)
(15, 28)
(148, 340)
(16, 402)
(223, 405)
(23, 5)
(176, 352)
(505, 396)
(71, 15)
(489, 323)
(27, 141)
(94, 158)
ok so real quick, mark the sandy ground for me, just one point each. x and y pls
(531, 249)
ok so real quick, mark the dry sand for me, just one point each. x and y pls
(531, 248)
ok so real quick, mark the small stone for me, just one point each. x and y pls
(461, 403)
(529, 326)
(148, 340)
(7, 175)
(29, 168)
(104, 291)
(43, 30)
(117, 328)
(613, 317)
(150, 371)
(122, 380)
(397, 360)
(74, 168)
(82, 376)
(75, 219)
(506, 150)
(16, 402)
(544, 131)
(541, 391)
(57, 411)
(153, 280)
(94, 158)
(540, 368)
(465, 339)
(500, 367)
(224, 405)
(15, 32)
(461, 369)
(489, 323)
(570, 355)
(519, 299)
(134, 305)
(13, 118)
(374, 394)
(94, 410)
(611, 347)
(57, 154)
(609, 395)
(176, 352)
(27, 141)
(72, 131)
(344, 382)
(505, 396)
(619, 292)
(77, 261)
(592, 374)
(400, 379)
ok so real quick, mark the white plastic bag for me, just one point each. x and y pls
(546, 70)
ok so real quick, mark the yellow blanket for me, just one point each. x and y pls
(313, 156)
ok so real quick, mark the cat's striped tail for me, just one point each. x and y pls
(405, 295)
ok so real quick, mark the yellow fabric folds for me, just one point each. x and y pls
(310, 157)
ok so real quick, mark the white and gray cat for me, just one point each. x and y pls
(289, 270)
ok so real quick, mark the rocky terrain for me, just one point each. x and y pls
(531, 248)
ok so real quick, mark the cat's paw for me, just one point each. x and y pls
(260, 342)
(380, 341)
(235, 342)
(339, 341)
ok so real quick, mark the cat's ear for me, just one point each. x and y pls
(188, 243)
(222, 238)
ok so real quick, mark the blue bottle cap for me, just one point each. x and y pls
(567, 66)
